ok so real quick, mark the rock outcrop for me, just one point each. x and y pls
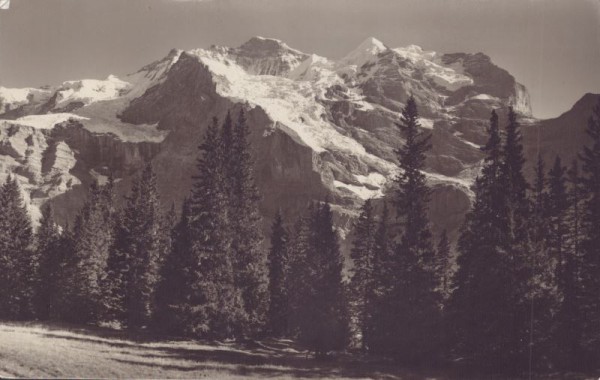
(320, 128)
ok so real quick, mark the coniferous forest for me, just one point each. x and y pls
(519, 291)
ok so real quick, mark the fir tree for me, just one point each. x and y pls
(362, 281)
(278, 279)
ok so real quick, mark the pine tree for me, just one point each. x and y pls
(244, 223)
(362, 281)
(18, 264)
(413, 302)
(51, 254)
(590, 277)
(278, 314)
(138, 243)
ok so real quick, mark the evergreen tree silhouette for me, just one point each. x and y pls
(590, 286)
(278, 278)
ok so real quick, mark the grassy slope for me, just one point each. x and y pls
(41, 350)
(35, 350)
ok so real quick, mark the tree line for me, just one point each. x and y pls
(523, 292)
(519, 291)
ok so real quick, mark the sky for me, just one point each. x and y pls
(551, 46)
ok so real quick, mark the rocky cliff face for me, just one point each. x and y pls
(320, 128)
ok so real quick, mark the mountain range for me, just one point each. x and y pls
(321, 128)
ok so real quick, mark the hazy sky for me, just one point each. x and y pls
(551, 46)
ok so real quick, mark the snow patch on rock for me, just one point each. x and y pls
(449, 77)
(11, 98)
(362, 192)
(291, 104)
(88, 91)
(366, 52)
(47, 121)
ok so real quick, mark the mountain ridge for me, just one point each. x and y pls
(328, 122)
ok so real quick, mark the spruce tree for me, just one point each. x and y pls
(484, 278)
(564, 266)
(590, 252)
(65, 264)
(18, 264)
(278, 313)
(412, 305)
(173, 308)
(362, 280)
(215, 305)
(521, 259)
(244, 223)
(383, 283)
(138, 243)
(300, 275)
(538, 226)
(89, 292)
(518, 207)
(324, 321)
(51, 254)
(556, 211)
(443, 266)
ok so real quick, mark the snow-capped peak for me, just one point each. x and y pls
(260, 44)
(88, 91)
(365, 52)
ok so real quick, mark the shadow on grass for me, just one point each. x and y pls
(265, 359)
(268, 358)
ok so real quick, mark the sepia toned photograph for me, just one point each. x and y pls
(300, 189)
